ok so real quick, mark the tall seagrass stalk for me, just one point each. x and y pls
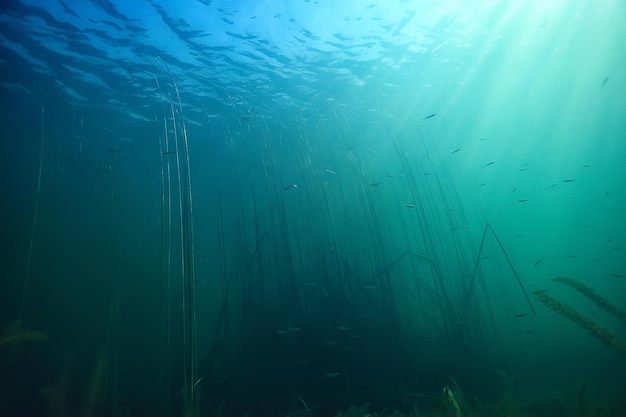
(33, 230)
(166, 245)
(187, 265)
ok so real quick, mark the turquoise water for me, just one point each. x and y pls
(291, 208)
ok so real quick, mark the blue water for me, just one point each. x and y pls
(219, 208)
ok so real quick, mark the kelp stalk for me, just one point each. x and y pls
(592, 327)
(602, 302)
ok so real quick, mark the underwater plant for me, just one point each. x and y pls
(450, 403)
(600, 301)
(13, 334)
(592, 327)
(57, 402)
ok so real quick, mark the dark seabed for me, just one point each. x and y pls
(312, 208)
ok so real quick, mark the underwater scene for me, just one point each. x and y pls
(399, 208)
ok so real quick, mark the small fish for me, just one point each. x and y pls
(606, 80)
(456, 150)
(331, 375)
(375, 184)
(481, 184)
(330, 172)
(522, 200)
(553, 185)
(586, 165)
(429, 116)
(617, 275)
(290, 186)
(569, 180)
(169, 152)
(538, 261)
(490, 163)
(521, 315)
(523, 169)
(411, 206)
